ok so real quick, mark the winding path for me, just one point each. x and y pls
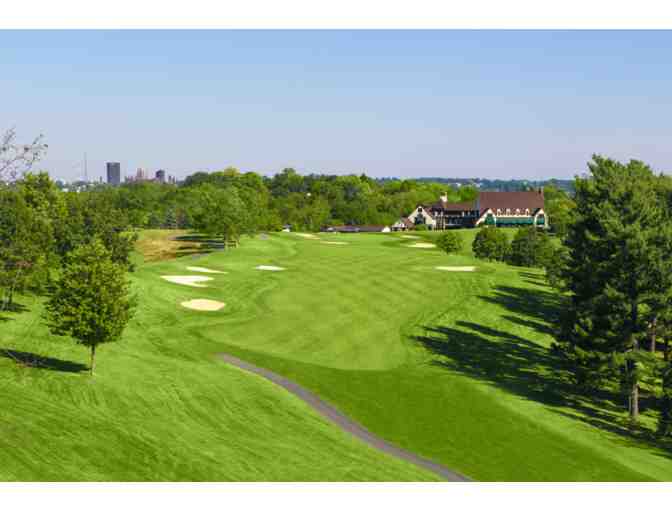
(336, 417)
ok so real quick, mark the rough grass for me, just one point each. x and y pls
(454, 366)
(155, 245)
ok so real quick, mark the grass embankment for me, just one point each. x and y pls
(453, 366)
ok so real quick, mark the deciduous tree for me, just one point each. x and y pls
(491, 243)
(17, 158)
(90, 301)
(450, 242)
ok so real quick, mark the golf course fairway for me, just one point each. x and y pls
(452, 365)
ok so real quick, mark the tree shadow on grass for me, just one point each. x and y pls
(205, 245)
(535, 278)
(530, 370)
(32, 360)
(11, 308)
(535, 308)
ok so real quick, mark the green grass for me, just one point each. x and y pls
(453, 366)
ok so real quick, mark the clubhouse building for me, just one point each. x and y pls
(493, 208)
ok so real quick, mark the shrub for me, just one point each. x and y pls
(450, 242)
(491, 244)
(531, 248)
(421, 227)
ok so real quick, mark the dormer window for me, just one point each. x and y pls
(517, 212)
(508, 211)
(499, 211)
(527, 211)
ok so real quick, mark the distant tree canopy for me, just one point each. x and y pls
(307, 202)
(221, 212)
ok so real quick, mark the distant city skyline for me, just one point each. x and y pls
(490, 104)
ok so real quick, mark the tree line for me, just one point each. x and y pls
(74, 248)
(306, 202)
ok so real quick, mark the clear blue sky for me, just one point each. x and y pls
(508, 104)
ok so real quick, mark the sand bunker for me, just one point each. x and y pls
(422, 245)
(456, 268)
(203, 305)
(270, 268)
(334, 242)
(411, 237)
(203, 270)
(192, 281)
(307, 236)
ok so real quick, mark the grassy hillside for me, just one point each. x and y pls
(453, 366)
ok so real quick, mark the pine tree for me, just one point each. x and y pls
(665, 423)
(530, 247)
(618, 273)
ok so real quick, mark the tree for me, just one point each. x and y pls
(16, 158)
(221, 212)
(665, 422)
(90, 302)
(530, 248)
(618, 273)
(450, 242)
(491, 243)
(555, 266)
(26, 241)
(560, 208)
(97, 214)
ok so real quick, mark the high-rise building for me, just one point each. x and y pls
(114, 173)
(160, 176)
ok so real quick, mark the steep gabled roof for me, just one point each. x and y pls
(454, 206)
(427, 209)
(494, 200)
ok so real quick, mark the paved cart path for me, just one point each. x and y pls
(335, 416)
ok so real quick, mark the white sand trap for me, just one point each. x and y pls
(411, 237)
(203, 305)
(456, 268)
(270, 268)
(203, 270)
(192, 281)
(334, 242)
(307, 236)
(422, 245)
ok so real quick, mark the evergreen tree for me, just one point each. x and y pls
(665, 422)
(618, 273)
(531, 247)
(90, 302)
